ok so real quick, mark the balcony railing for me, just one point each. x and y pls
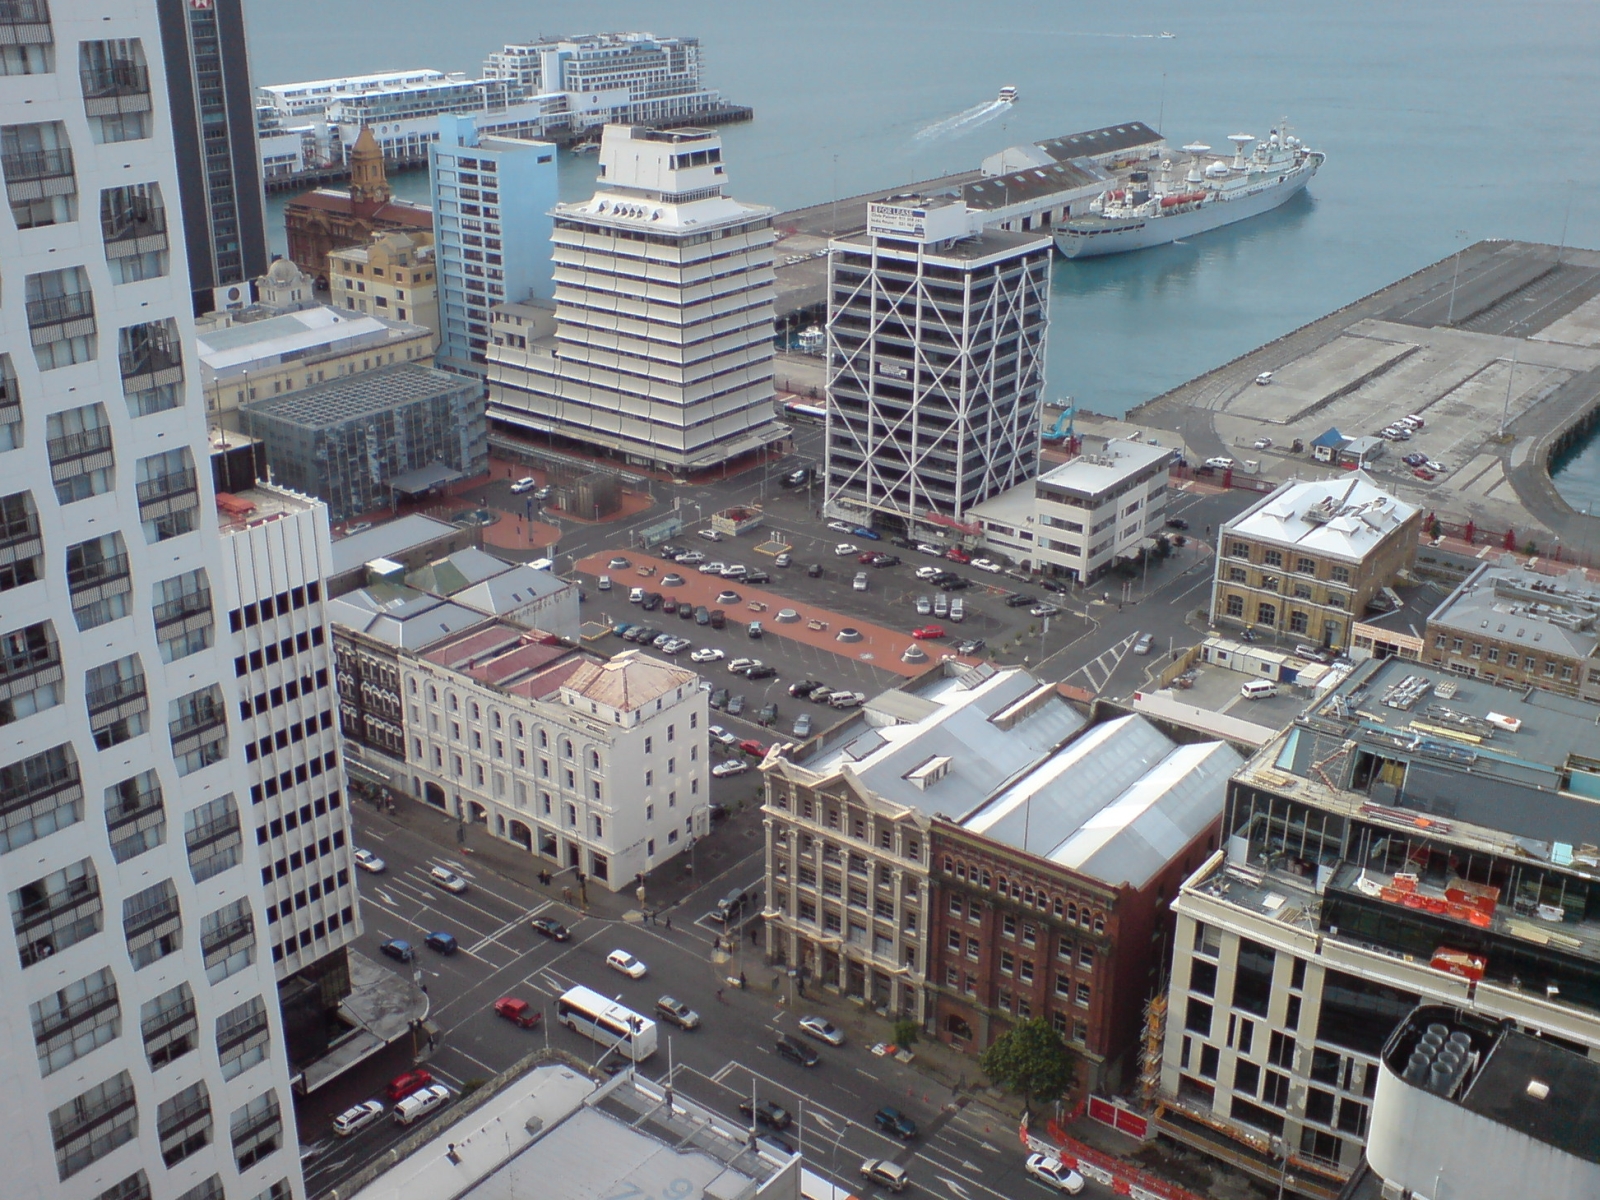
(115, 79)
(89, 573)
(24, 12)
(85, 1118)
(152, 917)
(125, 229)
(103, 699)
(150, 358)
(32, 780)
(54, 310)
(21, 166)
(75, 1012)
(165, 487)
(190, 604)
(28, 660)
(219, 943)
(17, 525)
(80, 895)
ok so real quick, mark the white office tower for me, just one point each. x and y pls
(660, 351)
(936, 337)
(138, 1023)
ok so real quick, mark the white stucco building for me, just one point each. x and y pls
(598, 765)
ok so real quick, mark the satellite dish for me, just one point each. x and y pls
(1197, 148)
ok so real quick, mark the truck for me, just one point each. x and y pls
(731, 522)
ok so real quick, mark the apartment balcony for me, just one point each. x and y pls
(167, 494)
(118, 87)
(26, 22)
(221, 942)
(93, 579)
(201, 722)
(116, 701)
(153, 359)
(20, 541)
(56, 318)
(139, 228)
(38, 174)
(56, 920)
(42, 783)
(29, 659)
(192, 610)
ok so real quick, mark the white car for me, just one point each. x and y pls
(719, 734)
(1054, 1173)
(357, 1117)
(841, 526)
(844, 549)
(621, 960)
(1219, 463)
(739, 664)
(732, 767)
(711, 535)
(929, 572)
(368, 861)
(1437, 467)
(690, 558)
(636, 595)
(525, 484)
(708, 654)
(712, 568)
(1144, 644)
(929, 548)
(1263, 443)
(447, 879)
(675, 645)
(986, 564)
(1263, 379)
(735, 571)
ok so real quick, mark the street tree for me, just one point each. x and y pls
(1033, 1061)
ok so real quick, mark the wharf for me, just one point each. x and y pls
(1499, 353)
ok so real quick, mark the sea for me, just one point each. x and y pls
(1444, 121)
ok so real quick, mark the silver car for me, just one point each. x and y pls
(822, 1029)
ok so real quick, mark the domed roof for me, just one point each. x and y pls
(284, 273)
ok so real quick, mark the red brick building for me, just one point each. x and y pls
(1051, 899)
(327, 220)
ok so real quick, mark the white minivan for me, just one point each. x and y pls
(1258, 689)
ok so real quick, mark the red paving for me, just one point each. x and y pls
(879, 646)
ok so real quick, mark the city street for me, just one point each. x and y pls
(964, 1152)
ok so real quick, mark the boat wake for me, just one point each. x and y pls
(967, 119)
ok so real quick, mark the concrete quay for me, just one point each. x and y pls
(1497, 349)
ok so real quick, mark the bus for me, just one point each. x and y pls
(804, 412)
(586, 1011)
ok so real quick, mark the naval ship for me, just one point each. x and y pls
(1143, 213)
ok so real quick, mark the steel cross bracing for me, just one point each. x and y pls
(893, 455)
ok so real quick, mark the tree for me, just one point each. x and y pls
(1032, 1060)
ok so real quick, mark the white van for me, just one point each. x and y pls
(420, 1103)
(1258, 689)
(958, 609)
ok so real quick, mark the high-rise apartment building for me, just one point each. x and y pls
(213, 132)
(140, 1026)
(641, 77)
(492, 198)
(936, 333)
(661, 347)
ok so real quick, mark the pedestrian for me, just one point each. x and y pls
(720, 1000)
(744, 983)
(669, 923)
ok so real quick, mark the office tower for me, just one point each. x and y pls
(214, 135)
(492, 198)
(678, 374)
(936, 333)
(140, 1029)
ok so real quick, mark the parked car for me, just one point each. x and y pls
(635, 595)
(822, 1029)
(398, 948)
(841, 526)
(930, 548)
(710, 535)
(958, 609)
(885, 560)
(735, 571)
(552, 929)
(802, 726)
(1262, 443)
(1020, 600)
(971, 646)
(1437, 467)
(604, 583)
(1054, 1173)
(676, 1011)
(651, 601)
(357, 1117)
(718, 618)
(814, 571)
(1219, 463)
(519, 1012)
(872, 535)
(1177, 523)
(783, 560)
(895, 1123)
(525, 484)
(768, 714)
(765, 1112)
(929, 572)
(422, 1102)
(719, 698)
(621, 960)
(690, 558)
(442, 942)
(796, 1052)
(722, 736)
(755, 630)
(370, 862)
(708, 654)
(751, 746)
(724, 770)
(924, 606)
(885, 1173)
(987, 564)
(714, 567)
(447, 879)
(735, 706)
(1415, 459)
(846, 699)
(846, 549)
(1043, 610)
(1263, 379)
(928, 632)
(803, 689)
(860, 581)
(957, 554)
(758, 577)
(1424, 473)
(404, 1084)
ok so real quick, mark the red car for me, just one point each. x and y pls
(518, 1012)
(1424, 473)
(402, 1086)
(928, 632)
(868, 558)
(957, 554)
(750, 746)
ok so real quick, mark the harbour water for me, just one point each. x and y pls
(1445, 121)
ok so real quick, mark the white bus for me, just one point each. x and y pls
(586, 1011)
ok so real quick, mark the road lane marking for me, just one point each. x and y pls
(494, 938)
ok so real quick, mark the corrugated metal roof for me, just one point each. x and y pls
(629, 681)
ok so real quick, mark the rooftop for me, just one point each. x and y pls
(1106, 140)
(295, 335)
(1343, 517)
(1118, 803)
(363, 395)
(1090, 474)
(950, 736)
(1410, 616)
(1031, 183)
(981, 246)
(628, 681)
(1509, 603)
(399, 212)
(401, 616)
(387, 540)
